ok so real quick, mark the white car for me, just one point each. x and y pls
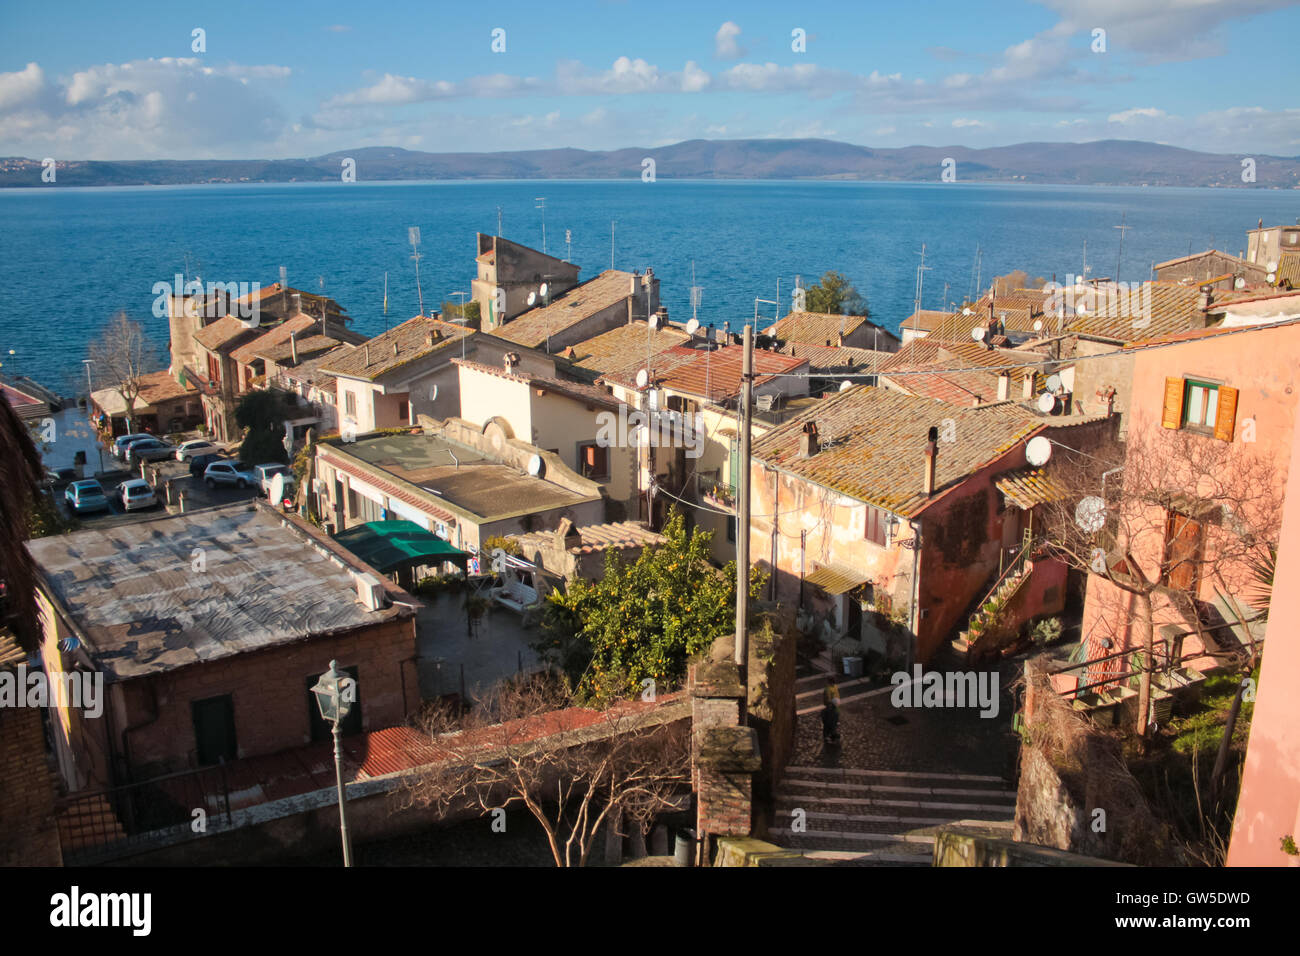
(195, 446)
(136, 494)
(230, 473)
(268, 471)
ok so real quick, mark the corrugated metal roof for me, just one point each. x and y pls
(836, 579)
(1029, 487)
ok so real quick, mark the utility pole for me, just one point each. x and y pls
(1122, 229)
(744, 415)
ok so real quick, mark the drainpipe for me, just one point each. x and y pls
(916, 590)
(1104, 475)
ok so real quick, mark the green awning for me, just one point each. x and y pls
(393, 545)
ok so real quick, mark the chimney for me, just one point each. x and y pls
(297, 303)
(808, 440)
(293, 346)
(726, 332)
(567, 536)
(367, 355)
(1027, 388)
(931, 454)
(977, 402)
(1004, 386)
(394, 350)
(839, 340)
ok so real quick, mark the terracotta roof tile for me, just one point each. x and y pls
(816, 327)
(713, 374)
(410, 339)
(622, 346)
(872, 445)
(1028, 487)
(581, 302)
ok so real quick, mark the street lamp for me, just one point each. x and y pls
(335, 695)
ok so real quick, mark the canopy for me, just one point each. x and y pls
(393, 545)
(836, 579)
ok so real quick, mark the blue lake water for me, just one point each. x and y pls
(70, 258)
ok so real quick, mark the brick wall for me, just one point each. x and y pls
(269, 691)
(28, 835)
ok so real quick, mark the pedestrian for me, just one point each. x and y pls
(831, 711)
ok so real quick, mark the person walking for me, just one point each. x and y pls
(831, 711)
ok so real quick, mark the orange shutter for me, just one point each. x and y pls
(1173, 414)
(1225, 420)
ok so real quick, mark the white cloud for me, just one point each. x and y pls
(21, 88)
(966, 123)
(726, 43)
(1143, 113)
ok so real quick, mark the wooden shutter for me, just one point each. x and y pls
(1173, 412)
(1225, 420)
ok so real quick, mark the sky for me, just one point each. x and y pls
(135, 81)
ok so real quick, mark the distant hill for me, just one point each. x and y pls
(1105, 162)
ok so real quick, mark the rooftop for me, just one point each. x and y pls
(447, 471)
(819, 328)
(622, 346)
(712, 374)
(581, 302)
(155, 388)
(596, 537)
(397, 347)
(839, 358)
(132, 589)
(872, 443)
(578, 391)
(248, 352)
(1173, 308)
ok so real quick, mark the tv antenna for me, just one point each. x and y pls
(976, 273)
(541, 204)
(568, 245)
(1122, 230)
(498, 220)
(697, 293)
(413, 234)
(612, 224)
(920, 279)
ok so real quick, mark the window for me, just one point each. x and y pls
(877, 531)
(1200, 406)
(593, 461)
(214, 729)
(731, 529)
(350, 403)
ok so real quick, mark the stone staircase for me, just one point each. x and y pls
(88, 823)
(881, 817)
(808, 688)
(1002, 594)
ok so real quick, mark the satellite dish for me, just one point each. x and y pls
(1272, 277)
(1239, 283)
(535, 465)
(1081, 308)
(1053, 382)
(1272, 266)
(1090, 515)
(1047, 403)
(965, 312)
(845, 385)
(532, 297)
(977, 333)
(653, 321)
(1038, 325)
(433, 393)
(542, 290)
(692, 326)
(642, 378)
(1038, 451)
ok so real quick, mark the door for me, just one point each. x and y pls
(214, 729)
(1183, 553)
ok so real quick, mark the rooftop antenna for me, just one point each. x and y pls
(541, 204)
(413, 234)
(920, 279)
(697, 293)
(1086, 267)
(385, 298)
(498, 220)
(612, 224)
(1122, 230)
(568, 245)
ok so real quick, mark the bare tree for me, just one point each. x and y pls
(573, 768)
(1158, 517)
(121, 357)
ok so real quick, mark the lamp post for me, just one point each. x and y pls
(335, 695)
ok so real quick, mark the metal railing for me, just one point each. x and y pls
(107, 823)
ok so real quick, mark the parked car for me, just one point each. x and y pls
(228, 472)
(194, 447)
(120, 443)
(266, 472)
(199, 463)
(86, 495)
(149, 449)
(59, 478)
(136, 493)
